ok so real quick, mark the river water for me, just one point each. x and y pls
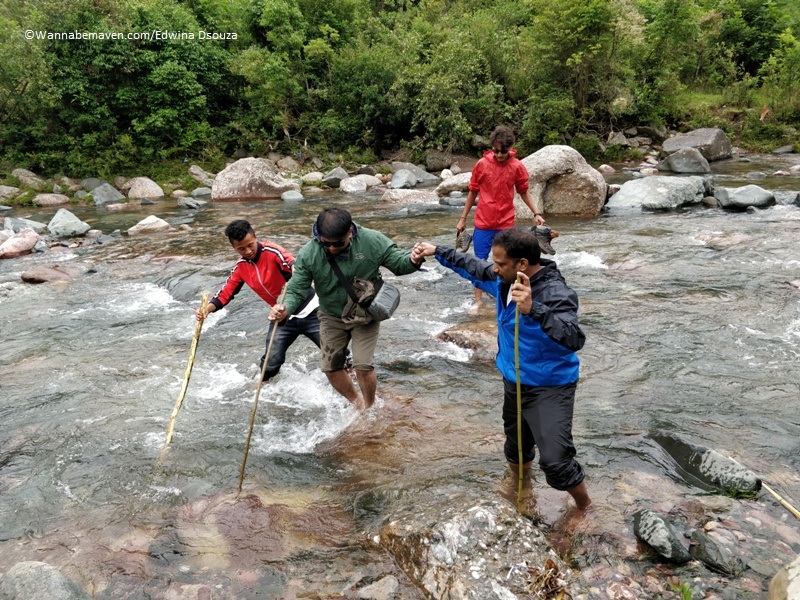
(692, 327)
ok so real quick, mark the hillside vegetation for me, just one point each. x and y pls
(363, 77)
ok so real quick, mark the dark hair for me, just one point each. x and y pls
(237, 230)
(333, 223)
(519, 242)
(503, 136)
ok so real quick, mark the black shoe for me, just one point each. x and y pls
(543, 235)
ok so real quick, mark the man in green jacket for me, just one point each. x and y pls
(359, 252)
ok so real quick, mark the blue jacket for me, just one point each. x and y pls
(548, 337)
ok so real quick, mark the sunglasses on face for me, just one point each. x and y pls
(336, 244)
(500, 151)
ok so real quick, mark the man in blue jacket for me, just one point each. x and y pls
(549, 337)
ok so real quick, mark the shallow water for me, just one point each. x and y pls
(691, 325)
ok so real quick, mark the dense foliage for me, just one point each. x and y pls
(365, 76)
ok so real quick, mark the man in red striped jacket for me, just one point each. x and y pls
(265, 267)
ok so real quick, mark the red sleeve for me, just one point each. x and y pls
(522, 179)
(476, 177)
(282, 257)
(232, 286)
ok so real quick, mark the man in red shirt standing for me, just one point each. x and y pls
(265, 267)
(494, 179)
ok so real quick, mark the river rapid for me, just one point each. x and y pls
(692, 327)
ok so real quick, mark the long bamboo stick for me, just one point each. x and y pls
(192, 352)
(783, 502)
(258, 392)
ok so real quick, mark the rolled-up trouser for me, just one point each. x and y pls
(547, 424)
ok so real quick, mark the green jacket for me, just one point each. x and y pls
(368, 250)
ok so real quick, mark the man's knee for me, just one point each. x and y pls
(562, 475)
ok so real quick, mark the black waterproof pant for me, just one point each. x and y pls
(546, 424)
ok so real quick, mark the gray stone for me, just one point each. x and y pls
(17, 224)
(705, 467)
(453, 200)
(65, 224)
(250, 179)
(192, 203)
(658, 193)
(29, 179)
(714, 555)
(179, 194)
(756, 175)
(458, 182)
(288, 164)
(203, 193)
(562, 183)
(658, 133)
(151, 224)
(8, 191)
(90, 183)
(469, 547)
(421, 175)
(105, 193)
(403, 196)
(744, 197)
(313, 177)
(712, 143)
(437, 160)
(367, 170)
(38, 581)
(292, 196)
(4, 208)
(786, 583)
(198, 173)
(57, 189)
(403, 179)
(617, 138)
(785, 198)
(352, 185)
(50, 199)
(334, 177)
(80, 194)
(655, 531)
(788, 149)
(40, 246)
(685, 160)
(144, 188)
(605, 169)
(446, 174)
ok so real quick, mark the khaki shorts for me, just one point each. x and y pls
(336, 335)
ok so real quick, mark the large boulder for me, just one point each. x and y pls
(17, 224)
(352, 185)
(250, 179)
(144, 187)
(562, 183)
(65, 224)
(744, 197)
(52, 274)
(786, 583)
(31, 580)
(19, 244)
(685, 160)
(712, 143)
(658, 192)
(403, 179)
(464, 547)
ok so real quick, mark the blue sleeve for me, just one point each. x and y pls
(478, 271)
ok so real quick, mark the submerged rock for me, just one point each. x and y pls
(30, 579)
(471, 548)
(656, 532)
(707, 467)
(714, 555)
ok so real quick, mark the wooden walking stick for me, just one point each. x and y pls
(258, 391)
(197, 328)
(783, 502)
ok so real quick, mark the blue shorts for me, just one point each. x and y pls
(482, 242)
